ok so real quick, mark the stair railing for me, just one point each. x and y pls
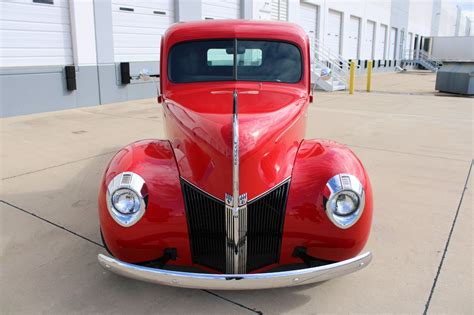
(430, 59)
(326, 58)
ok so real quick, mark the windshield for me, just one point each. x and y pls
(257, 60)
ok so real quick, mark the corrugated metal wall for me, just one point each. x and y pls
(279, 10)
(380, 47)
(334, 32)
(353, 40)
(308, 21)
(35, 34)
(369, 43)
(223, 9)
(138, 26)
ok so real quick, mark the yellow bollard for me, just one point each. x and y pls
(351, 78)
(369, 75)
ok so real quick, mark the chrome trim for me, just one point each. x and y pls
(283, 182)
(235, 153)
(242, 240)
(236, 234)
(235, 281)
(340, 183)
(134, 182)
(201, 190)
(229, 230)
(236, 208)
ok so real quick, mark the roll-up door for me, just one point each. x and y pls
(381, 42)
(333, 38)
(393, 42)
(408, 46)
(138, 27)
(369, 41)
(353, 33)
(35, 34)
(308, 21)
(222, 9)
(279, 10)
(401, 45)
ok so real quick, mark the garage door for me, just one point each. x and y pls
(333, 38)
(381, 42)
(35, 34)
(353, 35)
(393, 41)
(401, 45)
(222, 9)
(408, 46)
(279, 10)
(138, 27)
(369, 41)
(308, 21)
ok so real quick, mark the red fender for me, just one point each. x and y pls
(164, 223)
(306, 223)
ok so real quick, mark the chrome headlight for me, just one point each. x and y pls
(126, 201)
(126, 198)
(345, 200)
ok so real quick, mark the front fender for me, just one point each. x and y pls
(306, 223)
(164, 223)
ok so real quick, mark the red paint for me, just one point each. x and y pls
(164, 223)
(271, 127)
(271, 115)
(225, 29)
(306, 223)
(198, 119)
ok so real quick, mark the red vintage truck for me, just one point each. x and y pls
(235, 197)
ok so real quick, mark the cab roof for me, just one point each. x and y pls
(225, 29)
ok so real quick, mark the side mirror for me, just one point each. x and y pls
(145, 75)
(326, 74)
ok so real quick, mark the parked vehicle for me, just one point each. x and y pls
(236, 197)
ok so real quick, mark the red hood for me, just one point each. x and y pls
(271, 127)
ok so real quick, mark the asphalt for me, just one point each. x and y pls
(417, 146)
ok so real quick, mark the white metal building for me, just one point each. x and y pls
(46, 43)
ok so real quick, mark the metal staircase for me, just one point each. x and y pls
(325, 59)
(422, 59)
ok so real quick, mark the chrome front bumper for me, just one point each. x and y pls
(235, 281)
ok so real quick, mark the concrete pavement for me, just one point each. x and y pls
(417, 148)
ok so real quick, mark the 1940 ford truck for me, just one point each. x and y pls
(235, 197)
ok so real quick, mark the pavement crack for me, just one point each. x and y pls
(52, 223)
(59, 165)
(233, 302)
(435, 281)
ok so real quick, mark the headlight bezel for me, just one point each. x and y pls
(134, 183)
(341, 184)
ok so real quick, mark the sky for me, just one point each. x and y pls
(466, 5)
